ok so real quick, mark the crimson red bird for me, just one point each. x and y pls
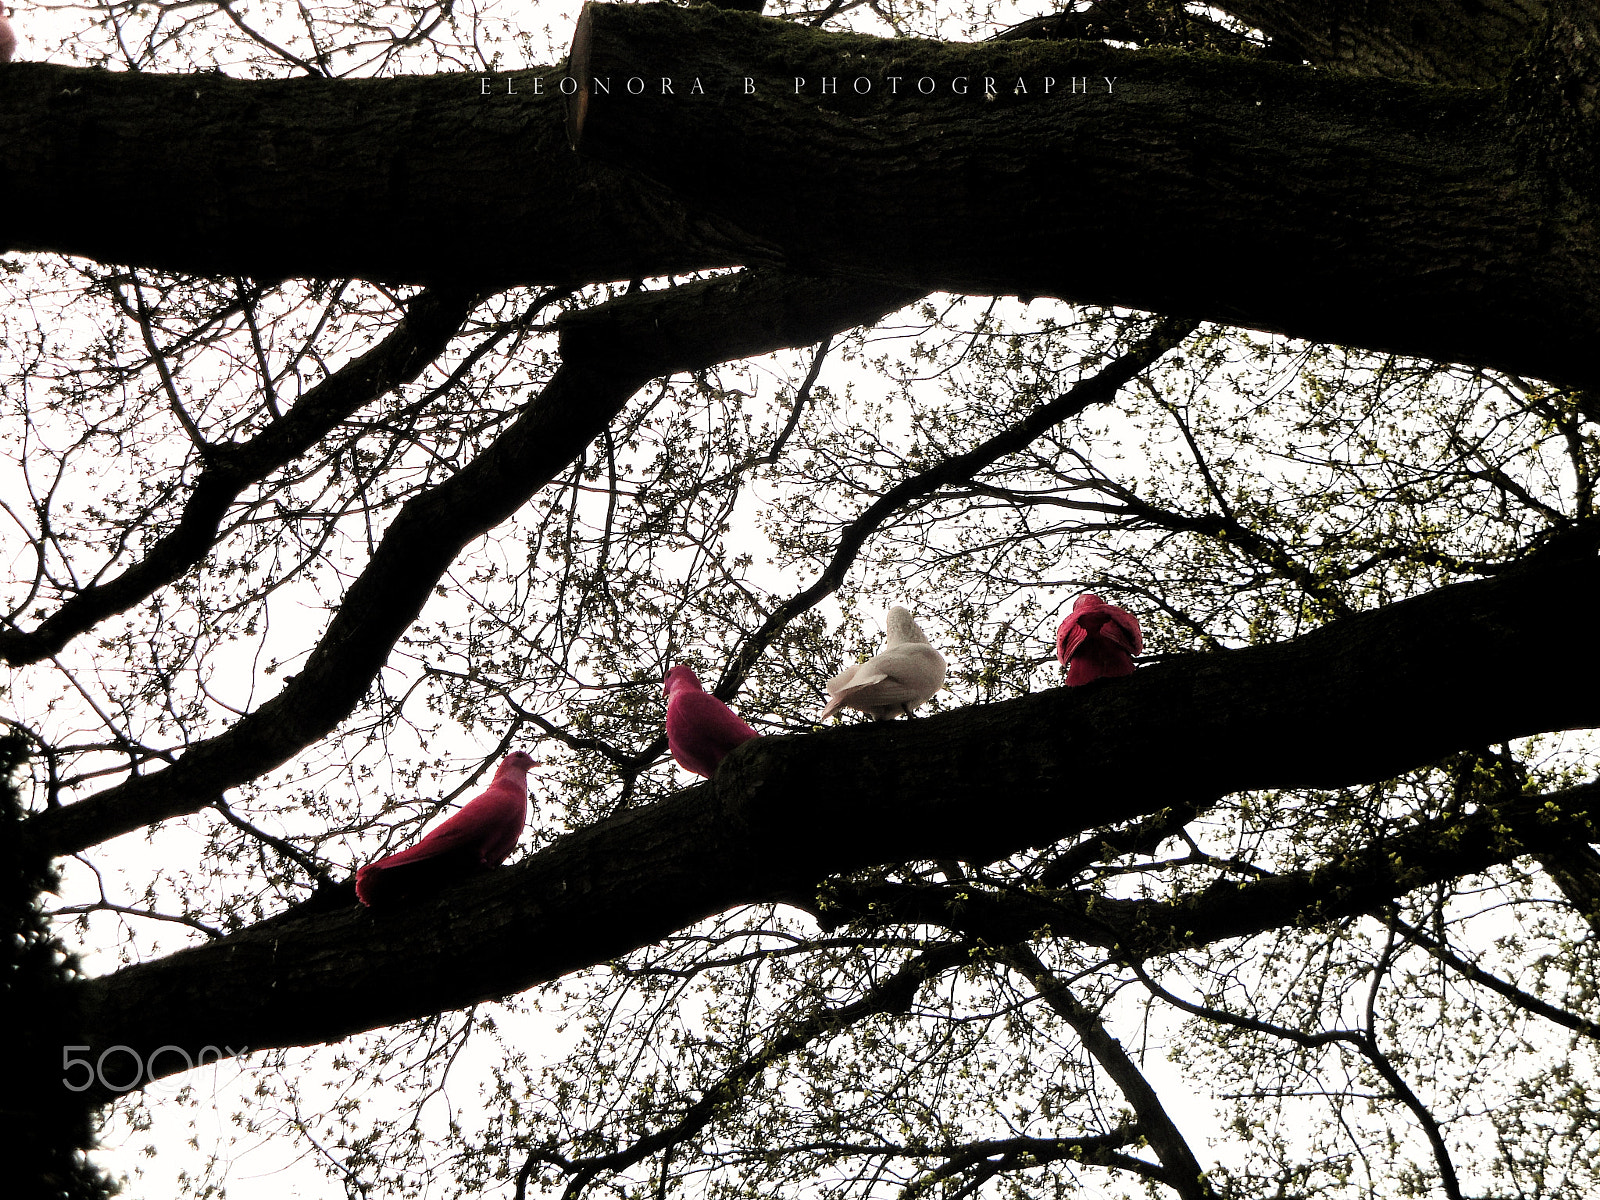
(481, 835)
(1098, 639)
(700, 728)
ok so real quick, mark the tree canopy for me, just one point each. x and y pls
(381, 401)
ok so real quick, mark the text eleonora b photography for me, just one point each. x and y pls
(908, 86)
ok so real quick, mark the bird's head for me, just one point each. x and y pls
(681, 676)
(1087, 600)
(902, 627)
(517, 760)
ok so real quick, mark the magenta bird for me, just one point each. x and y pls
(1098, 639)
(700, 728)
(481, 835)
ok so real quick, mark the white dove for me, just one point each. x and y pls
(896, 681)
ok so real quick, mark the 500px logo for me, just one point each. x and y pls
(144, 1069)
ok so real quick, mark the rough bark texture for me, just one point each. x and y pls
(420, 179)
(1347, 209)
(1470, 42)
(1359, 700)
(1330, 207)
(1555, 100)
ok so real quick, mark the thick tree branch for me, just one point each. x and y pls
(1468, 42)
(1555, 93)
(421, 179)
(1360, 211)
(1359, 700)
(1357, 211)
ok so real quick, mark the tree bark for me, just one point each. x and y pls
(1555, 97)
(420, 179)
(1360, 211)
(1469, 42)
(1359, 700)
(1335, 208)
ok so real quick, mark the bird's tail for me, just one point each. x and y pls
(1098, 658)
(367, 883)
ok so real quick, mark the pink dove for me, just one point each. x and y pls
(700, 728)
(1097, 639)
(481, 835)
(8, 36)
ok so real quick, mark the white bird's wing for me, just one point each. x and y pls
(846, 685)
(845, 677)
(901, 677)
(918, 672)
